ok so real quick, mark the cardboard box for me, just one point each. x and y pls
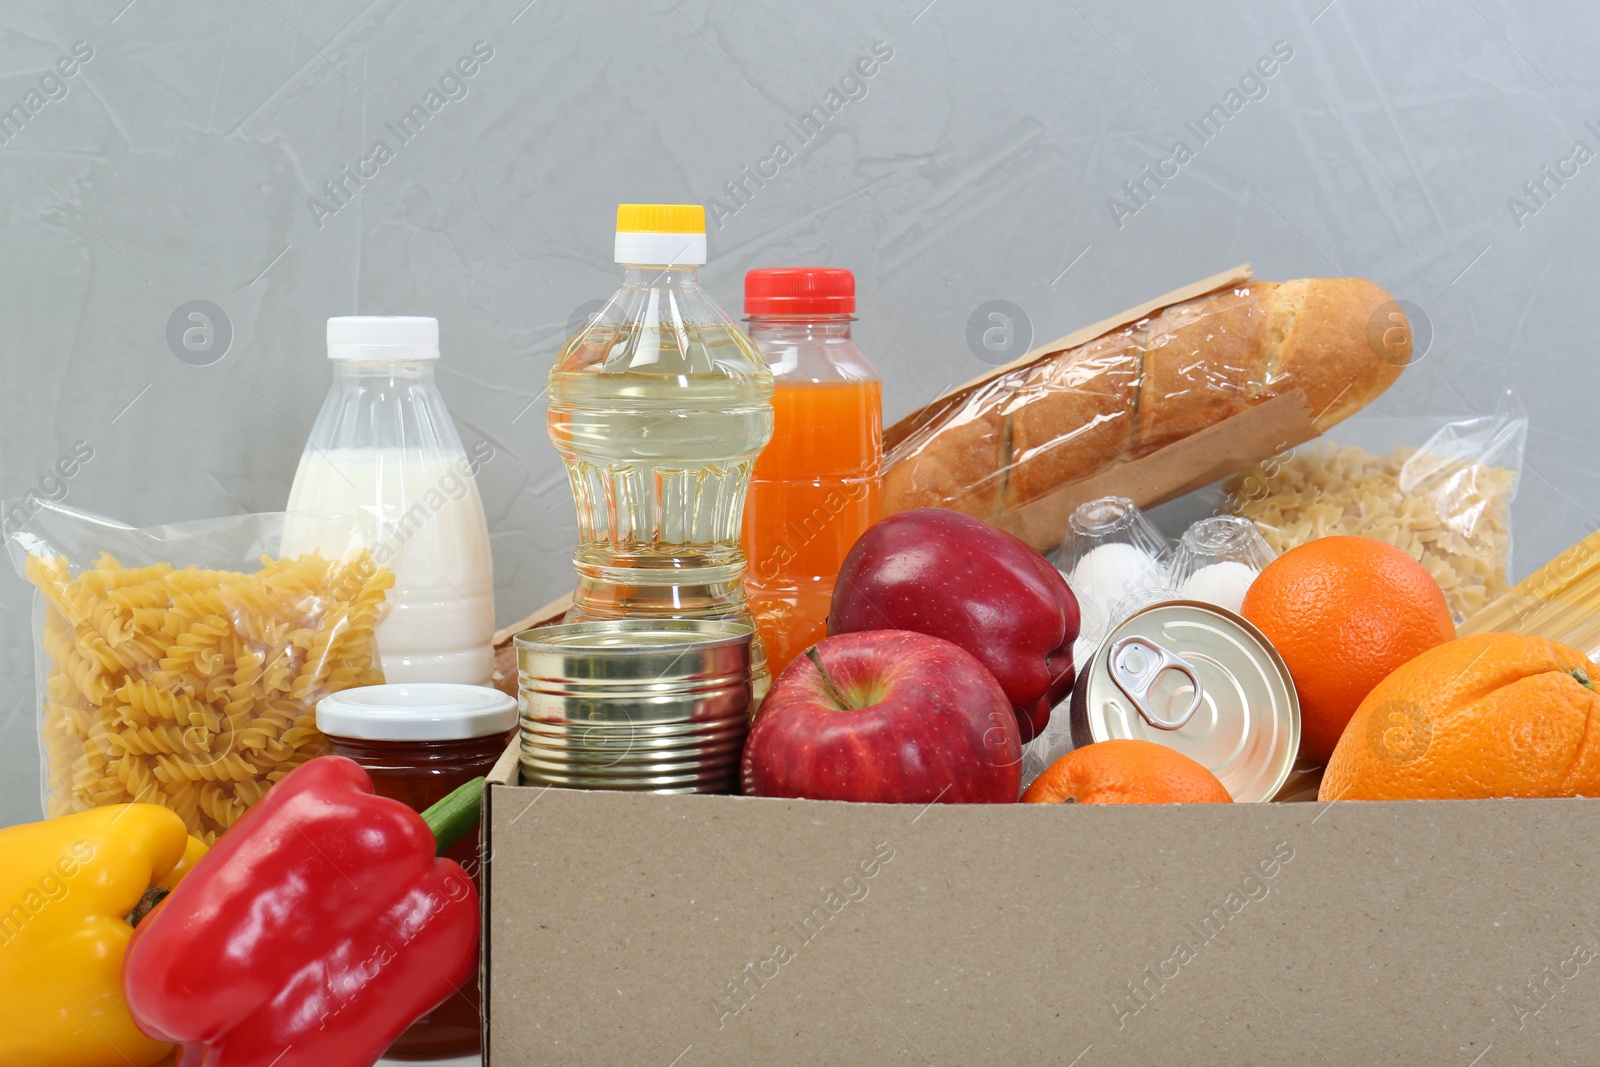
(692, 930)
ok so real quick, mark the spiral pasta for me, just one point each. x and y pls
(195, 688)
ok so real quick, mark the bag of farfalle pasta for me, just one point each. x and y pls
(181, 665)
(1437, 488)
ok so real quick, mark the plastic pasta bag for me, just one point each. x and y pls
(1559, 602)
(1446, 500)
(181, 665)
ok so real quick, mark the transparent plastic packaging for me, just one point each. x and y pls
(1169, 397)
(384, 446)
(1217, 559)
(1559, 602)
(181, 665)
(1114, 558)
(1439, 488)
(817, 485)
(659, 407)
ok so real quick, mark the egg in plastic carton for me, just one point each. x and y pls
(1217, 560)
(1111, 552)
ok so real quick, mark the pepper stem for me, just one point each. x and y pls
(147, 903)
(454, 816)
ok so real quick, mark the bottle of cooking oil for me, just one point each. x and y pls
(659, 408)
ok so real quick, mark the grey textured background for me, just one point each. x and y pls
(180, 162)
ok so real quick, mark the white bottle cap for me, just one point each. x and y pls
(383, 337)
(661, 249)
(416, 711)
(661, 235)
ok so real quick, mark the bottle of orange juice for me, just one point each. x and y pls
(818, 485)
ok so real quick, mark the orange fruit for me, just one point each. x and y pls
(1344, 612)
(1491, 715)
(1126, 772)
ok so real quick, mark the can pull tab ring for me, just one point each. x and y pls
(1136, 663)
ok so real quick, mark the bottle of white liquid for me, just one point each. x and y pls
(385, 468)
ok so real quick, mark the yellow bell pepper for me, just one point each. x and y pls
(66, 888)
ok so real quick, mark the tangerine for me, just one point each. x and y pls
(1126, 771)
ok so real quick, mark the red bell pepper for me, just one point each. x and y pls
(314, 932)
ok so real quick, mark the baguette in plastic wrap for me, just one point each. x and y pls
(1007, 442)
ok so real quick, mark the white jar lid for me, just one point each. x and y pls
(416, 711)
(383, 337)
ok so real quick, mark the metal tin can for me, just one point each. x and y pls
(1199, 679)
(654, 705)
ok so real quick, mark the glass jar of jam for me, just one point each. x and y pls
(419, 741)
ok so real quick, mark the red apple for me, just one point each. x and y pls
(888, 717)
(948, 575)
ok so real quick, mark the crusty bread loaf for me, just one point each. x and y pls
(1145, 386)
(1077, 412)
(1204, 361)
(973, 453)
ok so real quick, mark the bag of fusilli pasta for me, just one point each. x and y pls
(181, 665)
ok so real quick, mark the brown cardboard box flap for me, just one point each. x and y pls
(554, 611)
(505, 650)
(678, 930)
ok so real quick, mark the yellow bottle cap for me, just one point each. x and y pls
(661, 218)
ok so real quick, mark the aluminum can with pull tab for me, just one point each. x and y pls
(1198, 679)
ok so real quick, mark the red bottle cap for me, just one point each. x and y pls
(800, 291)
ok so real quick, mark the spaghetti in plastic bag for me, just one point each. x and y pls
(181, 665)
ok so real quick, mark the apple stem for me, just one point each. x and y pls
(827, 679)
